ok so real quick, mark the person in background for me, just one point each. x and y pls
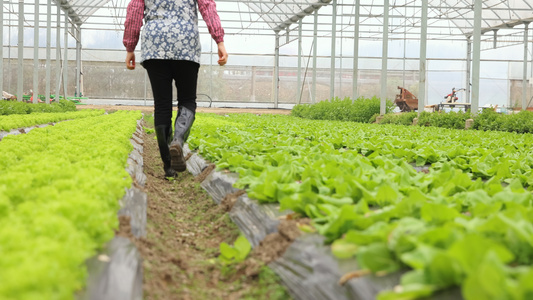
(170, 52)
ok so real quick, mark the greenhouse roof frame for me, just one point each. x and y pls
(81, 10)
(278, 15)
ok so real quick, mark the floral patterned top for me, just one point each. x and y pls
(171, 28)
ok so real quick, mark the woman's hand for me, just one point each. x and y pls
(222, 54)
(130, 61)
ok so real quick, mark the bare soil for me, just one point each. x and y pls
(184, 231)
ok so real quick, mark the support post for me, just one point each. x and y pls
(20, 57)
(299, 78)
(58, 51)
(78, 61)
(524, 78)
(384, 60)
(2, 49)
(476, 61)
(423, 58)
(145, 86)
(355, 79)
(468, 68)
(254, 71)
(36, 53)
(65, 59)
(315, 41)
(275, 85)
(333, 49)
(48, 46)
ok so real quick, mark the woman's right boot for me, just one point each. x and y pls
(163, 134)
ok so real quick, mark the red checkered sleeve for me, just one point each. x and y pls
(208, 9)
(133, 24)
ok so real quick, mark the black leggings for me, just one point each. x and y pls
(162, 73)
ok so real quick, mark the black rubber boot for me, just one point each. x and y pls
(163, 134)
(182, 128)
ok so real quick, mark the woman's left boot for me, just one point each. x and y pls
(163, 134)
(182, 128)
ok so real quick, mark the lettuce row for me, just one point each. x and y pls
(10, 122)
(467, 222)
(59, 192)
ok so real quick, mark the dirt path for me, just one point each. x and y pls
(185, 228)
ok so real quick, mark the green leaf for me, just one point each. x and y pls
(377, 258)
(344, 249)
(488, 280)
(227, 253)
(386, 195)
(420, 257)
(438, 213)
(243, 248)
(408, 292)
(237, 253)
(472, 248)
(444, 270)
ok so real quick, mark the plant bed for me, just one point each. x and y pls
(25, 122)
(371, 204)
(58, 200)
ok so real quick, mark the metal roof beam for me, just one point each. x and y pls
(507, 25)
(69, 10)
(300, 15)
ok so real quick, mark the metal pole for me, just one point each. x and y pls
(423, 58)
(476, 55)
(299, 78)
(254, 71)
(315, 38)
(36, 54)
(333, 49)
(276, 73)
(48, 45)
(356, 51)
(9, 56)
(65, 59)
(211, 68)
(58, 51)
(384, 60)
(2, 50)
(20, 77)
(340, 55)
(145, 88)
(468, 67)
(78, 61)
(524, 79)
(405, 46)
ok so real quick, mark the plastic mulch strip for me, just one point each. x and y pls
(117, 272)
(3, 134)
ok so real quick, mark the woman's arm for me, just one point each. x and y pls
(132, 30)
(208, 9)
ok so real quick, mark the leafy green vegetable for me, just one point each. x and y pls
(59, 193)
(237, 253)
(359, 185)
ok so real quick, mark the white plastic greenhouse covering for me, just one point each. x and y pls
(480, 23)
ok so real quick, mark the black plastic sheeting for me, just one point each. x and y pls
(117, 273)
(308, 268)
(255, 221)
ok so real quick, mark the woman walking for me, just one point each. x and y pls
(170, 52)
